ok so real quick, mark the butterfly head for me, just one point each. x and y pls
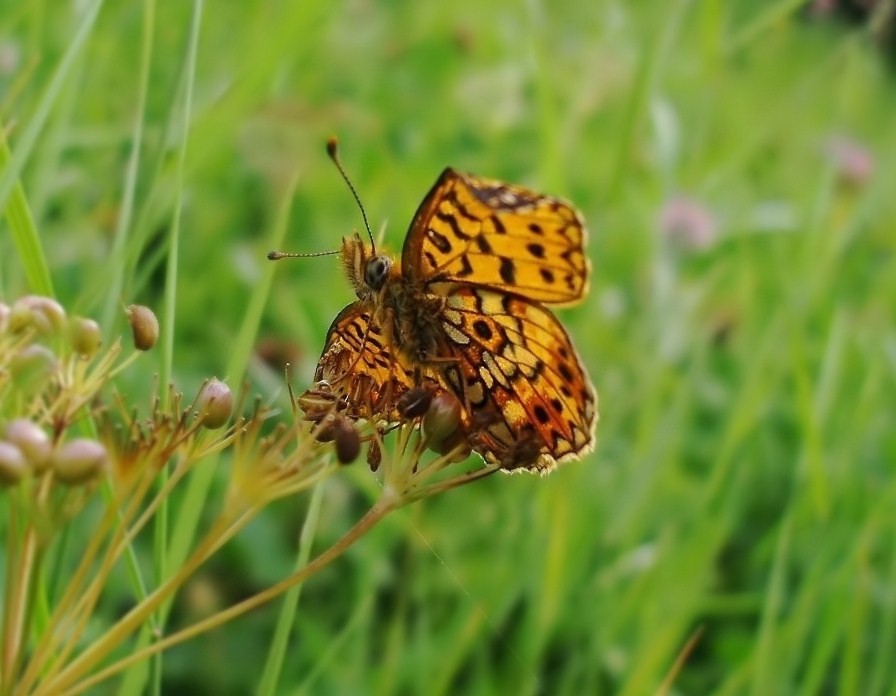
(376, 272)
(367, 270)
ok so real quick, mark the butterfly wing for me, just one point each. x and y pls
(358, 371)
(487, 233)
(529, 397)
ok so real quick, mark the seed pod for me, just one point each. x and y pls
(215, 404)
(374, 455)
(85, 336)
(144, 326)
(443, 426)
(44, 314)
(327, 430)
(32, 441)
(13, 465)
(442, 418)
(415, 402)
(347, 439)
(4, 317)
(456, 440)
(79, 461)
(444, 429)
(32, 366)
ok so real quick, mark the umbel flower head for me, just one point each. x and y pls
(430, 450)
(65, 435)
(69, 443)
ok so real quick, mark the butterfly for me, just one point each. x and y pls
(464, 312)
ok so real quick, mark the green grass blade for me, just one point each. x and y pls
(21, 225)
(118, 254)
(12, 198)
(273, 665)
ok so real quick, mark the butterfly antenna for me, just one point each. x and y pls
(332, 146)
(277, 255)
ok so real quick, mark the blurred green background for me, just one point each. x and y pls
(734, 531)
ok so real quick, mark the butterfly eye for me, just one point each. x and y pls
(377, 271)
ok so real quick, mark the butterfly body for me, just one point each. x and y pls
(464, 312)
(403, 309)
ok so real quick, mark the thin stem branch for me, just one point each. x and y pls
(63, 684)
(223, 530)
(21, 591)
(116, 522)
(13, 553)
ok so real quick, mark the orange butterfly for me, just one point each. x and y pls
(464, 313)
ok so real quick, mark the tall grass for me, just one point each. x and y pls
(733, 531)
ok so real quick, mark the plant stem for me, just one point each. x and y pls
(63, 683)
(267, 685)
(21, 591)
(78, 598)
(224, 529)
(13, 553)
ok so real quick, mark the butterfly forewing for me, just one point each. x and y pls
(483, 232)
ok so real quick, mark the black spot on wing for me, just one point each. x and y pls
(482, 329)
(462, 210)
(565, 372)
(451, 221)
(537, 250)
(482, 244)
(439, 240)
(507, 271)
(465, 268)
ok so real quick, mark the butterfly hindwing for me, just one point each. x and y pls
(360, 365)
(519, 375)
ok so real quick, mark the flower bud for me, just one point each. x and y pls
(215, 404)
(43, 314)
(144, 325)
(415, 402)
(79, 461)
(85, 336)
(342, 431)
(374, 455)
(347, 439)
(4, 317)
(457, 440)
(32, 441)
(442, 418)
(853, 161)
(443, 426)
(13, 465)
(687, 223)
(31, 366)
